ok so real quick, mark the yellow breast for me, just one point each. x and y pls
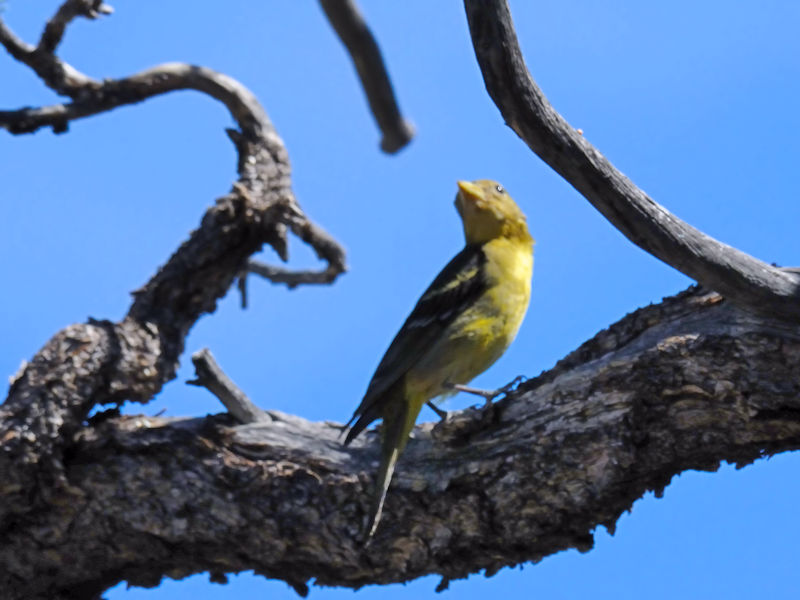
(481, 334)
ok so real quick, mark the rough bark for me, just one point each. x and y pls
(680, 385)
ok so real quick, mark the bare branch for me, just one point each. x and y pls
(740, 277)
(346, 19)
(99, 97)
(680, 385)
(211, 376)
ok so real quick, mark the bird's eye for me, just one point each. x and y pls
(499, 189)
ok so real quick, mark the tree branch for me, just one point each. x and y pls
(211, 376)
(348, 23)
(108, 363)
(738, 276)
(680, 385)
(96, 98)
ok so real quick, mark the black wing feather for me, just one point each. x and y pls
(454, 290)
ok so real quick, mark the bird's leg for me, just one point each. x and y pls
(488, 395)
(442, 414)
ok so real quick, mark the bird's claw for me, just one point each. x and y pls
(488, 395)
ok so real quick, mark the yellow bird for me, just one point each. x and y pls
(463, 323)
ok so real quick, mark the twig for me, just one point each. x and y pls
(325, 247)
(738, 276)
(346, 20)
(289, 277)
(241, 284)
(212, 377)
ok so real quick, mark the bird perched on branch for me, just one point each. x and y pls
(461, 325)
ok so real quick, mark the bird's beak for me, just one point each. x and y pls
(470, 191)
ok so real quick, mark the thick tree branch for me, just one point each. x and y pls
(740, 277)
(348, 23)
(108, 363)
(680, 385)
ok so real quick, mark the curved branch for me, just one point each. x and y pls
(738, 276)
(346, 20)
(324, 245)
(96, 98)
(680, 385)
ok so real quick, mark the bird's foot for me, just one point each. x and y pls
(488, 395)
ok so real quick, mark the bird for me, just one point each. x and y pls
(464, 321)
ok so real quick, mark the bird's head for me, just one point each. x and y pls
(488, 212)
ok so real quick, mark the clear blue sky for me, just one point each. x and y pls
(695, 101)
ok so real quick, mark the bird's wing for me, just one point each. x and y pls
(454, 290)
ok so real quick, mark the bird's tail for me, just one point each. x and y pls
(398, 422)
(381, 487)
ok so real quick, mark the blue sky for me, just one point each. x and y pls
(696, 102)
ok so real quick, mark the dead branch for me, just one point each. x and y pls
(348, 23)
